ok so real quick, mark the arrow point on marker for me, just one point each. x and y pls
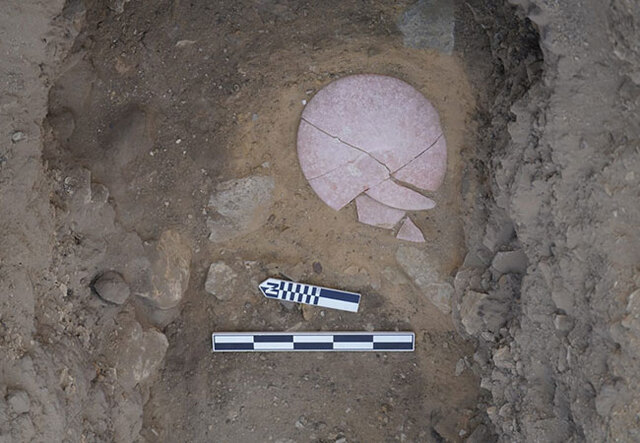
(269, 288)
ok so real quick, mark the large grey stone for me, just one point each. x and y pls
(429, 24)
(170, 271)
(136, 354)
(239, 207)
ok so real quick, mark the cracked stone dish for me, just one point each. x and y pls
(375, 138)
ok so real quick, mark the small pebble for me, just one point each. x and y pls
(317, 267)
(307, 312)
(17, 136)
(184, 43)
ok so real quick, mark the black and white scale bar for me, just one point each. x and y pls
(310, 294)
(312, 341)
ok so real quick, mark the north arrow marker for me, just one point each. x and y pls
(310, 294)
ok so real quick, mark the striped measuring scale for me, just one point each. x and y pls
(312, 341)
(310, 294)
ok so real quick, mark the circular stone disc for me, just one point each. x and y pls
(370, 134)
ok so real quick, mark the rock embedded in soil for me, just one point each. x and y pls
(510, 262)
(563, 323)
(170, 271)
(611, 397)
(417, 265)
(429, 24)
(222, 281)
(239, 207)
(498, 232)
(480, 313)
(502, 358)
(422, 271)
(632, 319)
(111, 287)
(288, 305)
(136, 354)
(470, 312)
(19, 402)
(440, 294)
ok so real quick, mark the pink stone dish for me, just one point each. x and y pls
(364, 137)
(410, 232)
(374, 213)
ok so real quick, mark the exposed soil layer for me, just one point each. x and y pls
(145, 141)
(559, 167)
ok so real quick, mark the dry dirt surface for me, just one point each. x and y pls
(149, 181)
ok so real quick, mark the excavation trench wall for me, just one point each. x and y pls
(557, 177)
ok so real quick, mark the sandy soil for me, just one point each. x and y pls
(144, 123)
